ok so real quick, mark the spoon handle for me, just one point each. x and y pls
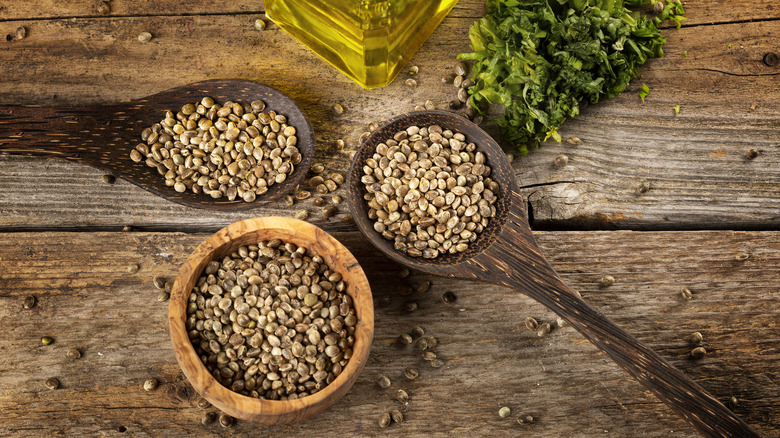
(522, 266)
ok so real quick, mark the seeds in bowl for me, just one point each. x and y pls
(272, 321)
(429, 191)
(230, 150)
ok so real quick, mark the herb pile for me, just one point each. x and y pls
(542, 58)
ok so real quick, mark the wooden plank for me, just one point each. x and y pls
(694, 162)
(697, 11)
(87, 300)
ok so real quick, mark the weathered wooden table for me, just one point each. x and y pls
(61, 236)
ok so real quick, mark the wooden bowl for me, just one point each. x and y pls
(225, 242)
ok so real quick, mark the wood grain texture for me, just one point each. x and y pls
(249, 232)
(693, 161)
(708, 12)
(87, 300)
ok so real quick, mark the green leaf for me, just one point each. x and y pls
(644, 92)
(541, 59)
(676, 109)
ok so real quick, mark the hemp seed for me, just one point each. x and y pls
(208, 418)
(698, 352)
(696, 338)
(543, 330)
(47, 340)
(607, 281)
(225, 420)
(397, 416)
(531, 323)
(384, 420)
(383, 382)
(73, 354)
(150, 385)
(52, 383)
(29, 302)
(144, 37)
(402, 396)
(504, 412)
(411, 373)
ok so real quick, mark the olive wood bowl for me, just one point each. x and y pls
(224, 242)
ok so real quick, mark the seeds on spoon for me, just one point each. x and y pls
(231, 150)
(429, 191)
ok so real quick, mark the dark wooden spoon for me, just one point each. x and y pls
(506, 254)
(102, 136)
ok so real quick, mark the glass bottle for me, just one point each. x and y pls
(368, 40)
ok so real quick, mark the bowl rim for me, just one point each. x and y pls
(249, 408)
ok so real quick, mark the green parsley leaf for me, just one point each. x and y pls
(644, 92)
(544, 59)
(676, 109)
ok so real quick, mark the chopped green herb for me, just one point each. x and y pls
(644, 92)
(676, 109)
(685, 53)
(729, 46)
(541, 59)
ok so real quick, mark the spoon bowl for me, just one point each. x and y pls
(506, 253)
(103, 136)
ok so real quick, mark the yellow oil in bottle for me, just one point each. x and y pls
(368, 40)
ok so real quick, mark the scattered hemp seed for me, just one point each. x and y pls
(328, 211)
(643, 187)
(543, 330)
(402, 396)
(458, 81)
(405, 339)
(531, 323)
(741, 257)
(449, 297)
(405, 290)
(450, 78)
(168, 286)
(574, 141)
(510, 158)
(411, 373)
(335, 199)
(52, 383)
(460, 68)
(203, 404)
(751, 153)
(384, 420)
(29, 302)
(405, 272)
(560, 322)
(208, 418)
(150, 385)
(159, 282)
(337, 109)
(302, 195)
(418, 331)
(504, 412)
(317, 168)
(383, 382)
(319, 201)
(658, 7)
(696, 338)
(47, 340)
(339, 145)
(733, 403)
(561, 160)
(103, 8)
(698, 352)
(301, 215)
(525, 419)
(419, 108)
(429, 105)
(144, 37)
(429, 356)
(432, 342)
(163, 296)
(411, 83)
(413, 70)
(421, 344)
(686, 293)
(423, 287)
(410, 306)
(397, 416)
(73, 354)
(455, 104)
(437, 363)
(607, 281)
(260, 24)
(21, 33)
(225, 420)
(133, 268)
(289, 200)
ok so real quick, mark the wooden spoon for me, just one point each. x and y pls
(506, 254)
(102, 136)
